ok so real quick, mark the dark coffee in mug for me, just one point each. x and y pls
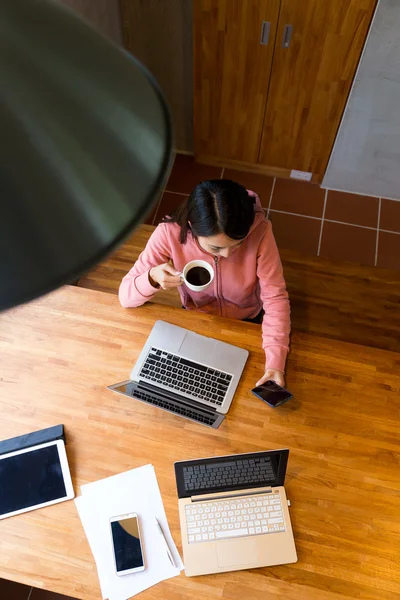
(198, 276)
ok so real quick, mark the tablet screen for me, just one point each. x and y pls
(30, 478)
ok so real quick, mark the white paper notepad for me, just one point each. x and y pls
(133, 491)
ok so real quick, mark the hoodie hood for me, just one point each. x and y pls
(259, 214)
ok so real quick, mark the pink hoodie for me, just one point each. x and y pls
(250, 279)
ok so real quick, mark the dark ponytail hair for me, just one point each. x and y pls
(215, 206)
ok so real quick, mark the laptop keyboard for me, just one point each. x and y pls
(182, 375)
(223, 475)
(174, 407)
(234, 518)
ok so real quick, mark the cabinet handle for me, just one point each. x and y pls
(265, 27)
(287, 34)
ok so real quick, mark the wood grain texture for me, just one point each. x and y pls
(160, 34)
(231, 74)
(310, 80)
(59, 353)
(338, 300)
(344, 301)
(243, 166)
(107, 275)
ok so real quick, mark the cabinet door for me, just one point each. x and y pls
(310, 80)
(231, 75)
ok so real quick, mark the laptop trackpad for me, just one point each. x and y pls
(237, 552)
(199, 348)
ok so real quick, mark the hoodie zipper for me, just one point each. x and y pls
(216, 258)
(217, 283)
(216, 262)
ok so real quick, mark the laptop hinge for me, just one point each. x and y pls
(232, 495)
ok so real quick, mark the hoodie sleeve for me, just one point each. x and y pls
(135, 288)
(275, 299)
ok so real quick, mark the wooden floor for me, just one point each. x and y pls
(338, 300)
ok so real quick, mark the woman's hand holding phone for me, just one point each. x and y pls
(272, 375)
(271, 393)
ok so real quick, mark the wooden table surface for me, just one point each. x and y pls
(58, 354)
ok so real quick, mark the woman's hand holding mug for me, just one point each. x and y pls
(165, 276)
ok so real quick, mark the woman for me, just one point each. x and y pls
(223, 223)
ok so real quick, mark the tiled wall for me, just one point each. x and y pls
(305, 218)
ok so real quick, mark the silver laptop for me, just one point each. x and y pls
(186, 373)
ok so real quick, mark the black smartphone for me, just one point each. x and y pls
(272, 393)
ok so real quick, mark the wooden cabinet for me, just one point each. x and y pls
(272, 78)
(231, 75)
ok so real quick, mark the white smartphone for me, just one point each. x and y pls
(127, 544)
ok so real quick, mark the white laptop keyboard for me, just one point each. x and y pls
(234, 517)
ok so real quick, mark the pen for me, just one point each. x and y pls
(171, 558)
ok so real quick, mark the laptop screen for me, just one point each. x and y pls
(231, 473)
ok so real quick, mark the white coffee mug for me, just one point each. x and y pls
(197, 263)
